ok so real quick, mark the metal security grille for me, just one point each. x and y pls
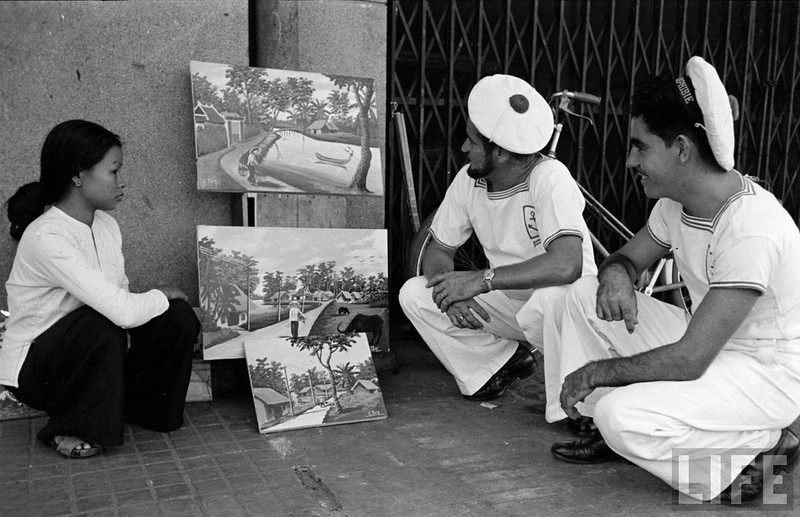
(440, 48)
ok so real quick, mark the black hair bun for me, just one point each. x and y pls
(23, 207)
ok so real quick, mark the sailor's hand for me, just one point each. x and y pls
(616, 297)
(455, 286)
(575, 389)
(467, 314)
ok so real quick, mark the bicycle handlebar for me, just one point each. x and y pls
(578, 96)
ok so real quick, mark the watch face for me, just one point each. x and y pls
(488, 276)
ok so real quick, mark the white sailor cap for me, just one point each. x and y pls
(706, 89)
(511, 113)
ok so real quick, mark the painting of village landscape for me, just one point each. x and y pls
(262, 283)
(269, 130)
(311, 381)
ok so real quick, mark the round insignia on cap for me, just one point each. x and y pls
(519, 103)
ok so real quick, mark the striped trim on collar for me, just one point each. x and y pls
(524, 186)
(709, 225)
(516, 189)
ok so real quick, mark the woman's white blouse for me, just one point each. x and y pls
(62, 264)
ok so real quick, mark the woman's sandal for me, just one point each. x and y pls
(71, 447)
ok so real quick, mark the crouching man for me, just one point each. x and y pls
(691, 399)
(526, 210)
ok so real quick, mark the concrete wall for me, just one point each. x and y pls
(124, 65)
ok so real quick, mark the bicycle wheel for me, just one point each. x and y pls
(468, 257)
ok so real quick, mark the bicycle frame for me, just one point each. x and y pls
(565, 98)
(665, 264)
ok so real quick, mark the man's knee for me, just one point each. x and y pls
(621, 417)
(544, 300)
(95, 323)
(178, 324)
(412, 292)
(181, 313)
(544, 303)
(92, 332)
(582, 293)
(606, 415)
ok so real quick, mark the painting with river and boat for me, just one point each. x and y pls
(282, 131)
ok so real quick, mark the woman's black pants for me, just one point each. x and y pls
(84, 374)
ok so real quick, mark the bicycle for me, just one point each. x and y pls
(663, 278)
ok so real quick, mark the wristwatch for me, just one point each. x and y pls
(488, 276)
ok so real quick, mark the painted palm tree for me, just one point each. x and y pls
(319, 109)
(347, 273)
(346, 371)
(372, 113)
(302, 114)
(296, 117)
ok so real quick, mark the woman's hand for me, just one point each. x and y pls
(173, 293)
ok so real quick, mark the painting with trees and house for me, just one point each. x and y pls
(251, 277)
(311, 381)
(269, 130)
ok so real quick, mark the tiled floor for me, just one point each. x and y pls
(436, 455)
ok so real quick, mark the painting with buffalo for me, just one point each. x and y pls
(284, 131)
(314, 380)
(258, 283)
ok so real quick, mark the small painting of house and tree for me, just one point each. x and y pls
(311, 381)
(268, 130)
(276, 282)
